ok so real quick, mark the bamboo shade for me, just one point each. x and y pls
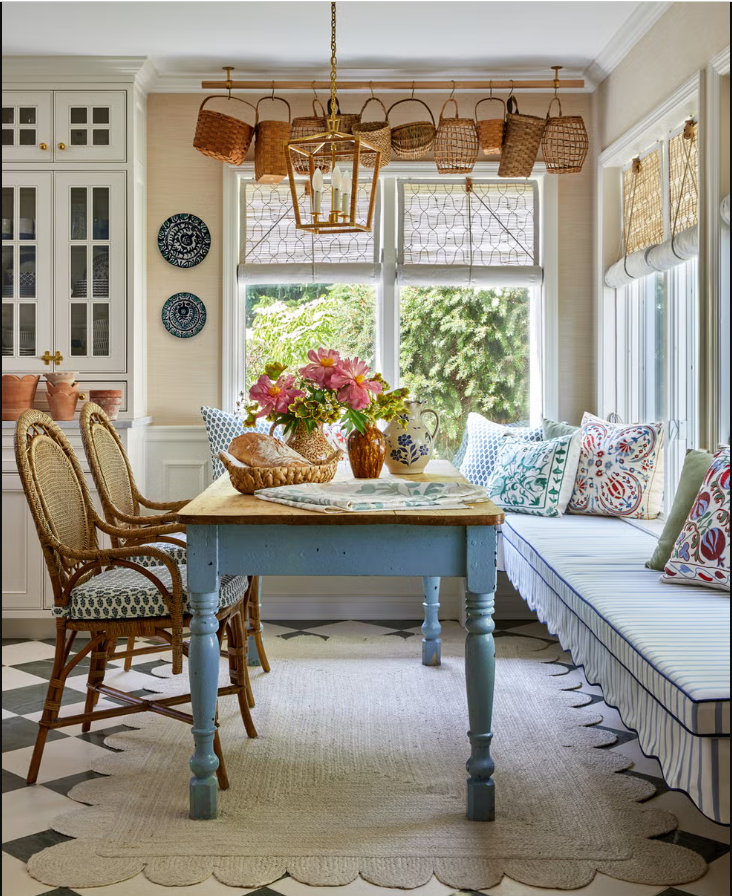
(643, 203)
(683, 157)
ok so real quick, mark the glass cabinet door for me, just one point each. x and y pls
(90, 270)
(26, 270)
(27, 132)
(89, 125)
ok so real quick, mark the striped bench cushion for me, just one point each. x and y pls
(661, 654)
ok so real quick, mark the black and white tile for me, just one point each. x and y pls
(28, 811)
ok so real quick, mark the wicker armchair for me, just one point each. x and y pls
(109, 593)
(122, 502)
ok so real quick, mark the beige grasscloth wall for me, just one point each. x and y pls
(682, 42)
(183, 374)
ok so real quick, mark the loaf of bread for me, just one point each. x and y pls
(259, 450)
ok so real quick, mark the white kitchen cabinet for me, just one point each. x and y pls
(27, 290)
(89, 126)
(27, 125)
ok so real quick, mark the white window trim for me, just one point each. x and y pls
(545, 324)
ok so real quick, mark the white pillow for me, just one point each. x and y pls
(536, 478)
(484, 441)
(620, 469)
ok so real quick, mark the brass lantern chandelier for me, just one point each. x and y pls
(332, 206)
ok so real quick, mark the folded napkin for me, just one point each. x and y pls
(371, 495)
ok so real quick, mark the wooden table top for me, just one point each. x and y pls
(222, 505)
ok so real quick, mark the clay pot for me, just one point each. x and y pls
(62, 400)
(61, 376)
(109, 400)
(366, 452)
(18, 394)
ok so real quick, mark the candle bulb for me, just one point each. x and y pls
(346, 192)
(317, 190)
(336, 181)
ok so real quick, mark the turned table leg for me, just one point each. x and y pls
(431, 629)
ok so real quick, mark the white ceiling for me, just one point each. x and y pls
(382, 36)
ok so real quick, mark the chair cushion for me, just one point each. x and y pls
(123, 593)
(174, 551)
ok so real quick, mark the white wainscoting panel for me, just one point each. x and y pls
(179, 466)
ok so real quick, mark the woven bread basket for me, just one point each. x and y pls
(416, 139)
(456, 143)
(491, 131)
(521, 143)
(564, 142)
(248, 479)
(270, 151)
(377, 133)
(308, 126)
(223, 137)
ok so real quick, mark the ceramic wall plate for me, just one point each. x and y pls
(184, 240)
(184, 315)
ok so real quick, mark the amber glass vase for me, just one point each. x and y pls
(366, 452)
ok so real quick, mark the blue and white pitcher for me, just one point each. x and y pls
(409, 450)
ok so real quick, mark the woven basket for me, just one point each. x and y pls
(270, 150)
(456, 143)
(377, 133)
(521, 143)
(416, 139)
(491, 131)
(248, 479)
(223, 137)
(564, 143)
(308, 126)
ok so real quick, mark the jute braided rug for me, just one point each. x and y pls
(360, 769)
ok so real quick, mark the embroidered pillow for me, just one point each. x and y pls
(701, 553)
(484, 441)
(620, 470)
(535, 477)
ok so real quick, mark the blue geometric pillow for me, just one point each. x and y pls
(222, 427)
(482, 443)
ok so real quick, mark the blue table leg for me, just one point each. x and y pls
(203, 667)
(431, 629)
(480, 666)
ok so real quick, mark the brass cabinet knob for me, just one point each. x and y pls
(62, 146)
(47, 357)
(43, 146)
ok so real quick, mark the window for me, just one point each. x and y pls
(443, 297)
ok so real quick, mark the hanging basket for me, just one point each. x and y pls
(309, 126)
(223, 137)
(416, 139)
(564, 143)
(521, 143)
(377, 133)
(456, 143)
(270, 149)
(491, 131)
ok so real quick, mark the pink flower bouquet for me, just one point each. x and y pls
(328, 389)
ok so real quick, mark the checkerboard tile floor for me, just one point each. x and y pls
(28, 811)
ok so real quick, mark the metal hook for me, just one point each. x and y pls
(371, 87)
(557, 69)
(315, 92)
(228, 69)
(272, 96)
(511, 93)
(412, 97)
(452, 94)
(490, 87)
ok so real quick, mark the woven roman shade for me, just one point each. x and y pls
(273, 250)
(643, 202)
(468, 233)
(683, 186)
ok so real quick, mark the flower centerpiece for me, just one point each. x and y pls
(329, 389)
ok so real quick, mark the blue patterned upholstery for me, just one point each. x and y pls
(222, 427)
(122, 593)
(482, 441)
(174, 551)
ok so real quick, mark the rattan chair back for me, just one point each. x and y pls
(56, 492)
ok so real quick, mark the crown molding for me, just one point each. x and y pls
(720, 62)
(639, 23)
(43, 69)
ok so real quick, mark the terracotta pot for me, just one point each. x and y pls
(313, 445)
(18, 394)
(61, 376)
(62, 400)
(366, 453)
(109, 400)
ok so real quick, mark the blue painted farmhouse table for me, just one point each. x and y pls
(230, 533)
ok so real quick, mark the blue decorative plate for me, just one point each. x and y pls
(184, 315)
(184, 240)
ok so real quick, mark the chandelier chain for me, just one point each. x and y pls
(333, 63)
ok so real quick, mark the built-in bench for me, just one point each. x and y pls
(660, 652)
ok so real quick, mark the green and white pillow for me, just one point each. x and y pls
(536, 478)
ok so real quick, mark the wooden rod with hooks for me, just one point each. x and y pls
(405, 86)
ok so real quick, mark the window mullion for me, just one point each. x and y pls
(387, 347)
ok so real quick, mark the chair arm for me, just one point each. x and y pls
(162, 505)
(142, 521)
(143, 532)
